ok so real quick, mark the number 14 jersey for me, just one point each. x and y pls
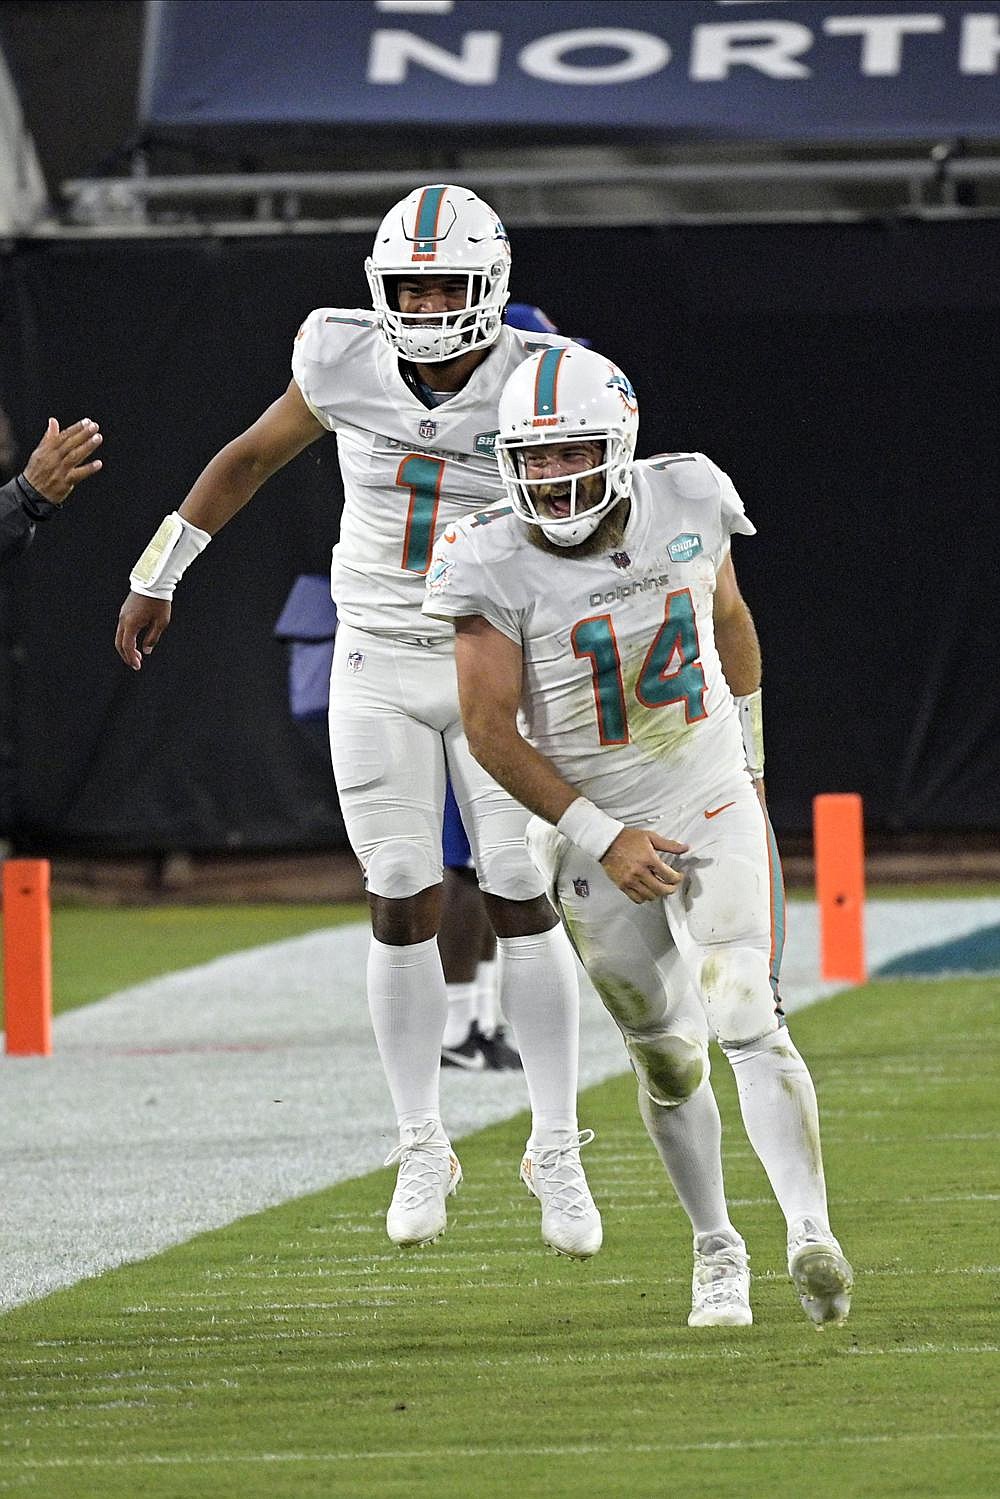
(622, 688)
(409, 472)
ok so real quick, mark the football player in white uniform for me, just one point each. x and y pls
(607, 662)
(411, 391)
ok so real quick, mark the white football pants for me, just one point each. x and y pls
(394, 726)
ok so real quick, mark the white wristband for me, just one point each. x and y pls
(167, 557)
(589, 828)
(752, 725)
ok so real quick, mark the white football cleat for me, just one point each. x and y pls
(428, 1174)
(552, 1172)
(720, 1284)
(820, 1273)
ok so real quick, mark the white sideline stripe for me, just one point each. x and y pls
(358, 1279)
(622, 1203)
(246, 1341)
(190, 1101)
(508, 1451)
(628, 1358)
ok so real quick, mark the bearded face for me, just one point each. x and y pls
(607, 537)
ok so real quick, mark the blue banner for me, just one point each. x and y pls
(728, 69)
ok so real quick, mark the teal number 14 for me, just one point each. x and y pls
(671, 672)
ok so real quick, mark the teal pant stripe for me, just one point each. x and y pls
(778, 901)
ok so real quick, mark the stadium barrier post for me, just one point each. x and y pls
(839, 846)
(27, 957)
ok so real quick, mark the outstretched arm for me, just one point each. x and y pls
(489, 666)
(223, 487)
(232, 478)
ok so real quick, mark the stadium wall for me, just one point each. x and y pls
(845, 375)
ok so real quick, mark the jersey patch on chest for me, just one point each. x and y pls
(685, 547)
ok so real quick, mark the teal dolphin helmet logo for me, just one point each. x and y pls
(623, 385)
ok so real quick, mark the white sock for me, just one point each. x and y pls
(688, 1139)
(407, 1003)
(540, 997)
(461, 1012)
(778, 1103)
(487, 1014)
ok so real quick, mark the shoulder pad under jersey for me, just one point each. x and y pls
(690, 474)
(328, 331)
(531, 342)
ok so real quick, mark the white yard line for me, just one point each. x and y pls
(504, 1453)
(198, 1098)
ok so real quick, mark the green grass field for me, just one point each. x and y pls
(298, 1353)
(99, 950)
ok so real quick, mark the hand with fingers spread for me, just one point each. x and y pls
(63, 458)
(634, 864)
(141, 622)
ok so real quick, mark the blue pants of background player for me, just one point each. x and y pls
(457, 853)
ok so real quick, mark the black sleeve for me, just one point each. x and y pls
(16, 526)
(20, 507)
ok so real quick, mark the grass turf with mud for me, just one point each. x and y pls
(298, 1353)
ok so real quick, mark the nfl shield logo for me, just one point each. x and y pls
(581, 888)
(427, 429)
(621, 559)
(355, 661)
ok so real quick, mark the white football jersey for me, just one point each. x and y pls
(408, 471)
(623, 688)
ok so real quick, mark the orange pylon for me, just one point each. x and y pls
(839, 846)
(27, 957)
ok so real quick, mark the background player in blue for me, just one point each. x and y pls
(411, 391)
(609, 674)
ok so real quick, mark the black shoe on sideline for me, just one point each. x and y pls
(498, 1053)
(468, 1055)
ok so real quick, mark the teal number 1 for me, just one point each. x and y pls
(595, 637)
(422, 477)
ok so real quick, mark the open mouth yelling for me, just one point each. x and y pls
(554, 500)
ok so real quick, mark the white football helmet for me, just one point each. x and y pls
(440, 230)
(560, 396)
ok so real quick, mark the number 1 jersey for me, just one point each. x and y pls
(409, 471)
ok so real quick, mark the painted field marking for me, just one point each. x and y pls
(505, 1453)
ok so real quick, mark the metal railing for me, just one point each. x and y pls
(252, 202)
